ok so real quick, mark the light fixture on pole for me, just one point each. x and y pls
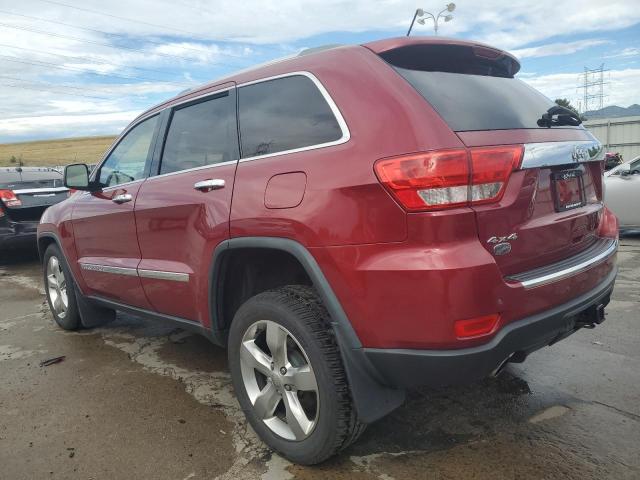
(421, 13)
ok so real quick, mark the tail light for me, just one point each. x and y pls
(609, 226)
(9, 198)
(449, 178)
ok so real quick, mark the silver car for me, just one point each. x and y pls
(622, 196)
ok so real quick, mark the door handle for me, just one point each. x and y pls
(122, 198)
(208, 185)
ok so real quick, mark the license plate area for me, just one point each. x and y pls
(568, 190)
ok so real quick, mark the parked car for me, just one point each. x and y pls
(25, 192)
(350, 223)
(623, 193)
(612, 160)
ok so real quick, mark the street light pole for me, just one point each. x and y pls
(420, 12)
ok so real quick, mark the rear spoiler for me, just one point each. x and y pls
(446, 55)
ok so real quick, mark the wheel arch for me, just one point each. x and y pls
(373, 400)
(44, 240)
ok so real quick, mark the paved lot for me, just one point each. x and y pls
(144, 400)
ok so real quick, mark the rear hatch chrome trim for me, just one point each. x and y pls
(601, 250)
(548, 154)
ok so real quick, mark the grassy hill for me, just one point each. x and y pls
(55, 152)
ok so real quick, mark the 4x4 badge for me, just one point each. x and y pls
(494, 240)
(501, 245)
(579, 154)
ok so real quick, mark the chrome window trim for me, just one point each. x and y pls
(194, 169)
(136, 272)
(120, 185)
(41, 190)
(569, 271)
(344, 128)
(548, 154)
(94, 267)
(199, 97)
(162, 275)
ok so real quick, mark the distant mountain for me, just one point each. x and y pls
(613, 111)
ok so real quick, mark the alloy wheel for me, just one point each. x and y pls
(57, 287)
(279, 380)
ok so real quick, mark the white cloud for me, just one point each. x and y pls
(173, 39)
(557, 48)
(623, 89)
(626, 52)
(79, 125)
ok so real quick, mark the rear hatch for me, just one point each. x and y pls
(26, 193)
(548, 204)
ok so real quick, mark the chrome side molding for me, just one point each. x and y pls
(162, 275)
(92, 267)
(136, 272)
(549, 154)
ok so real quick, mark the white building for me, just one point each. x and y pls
(619, 134)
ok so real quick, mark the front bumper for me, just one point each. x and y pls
(403, 368)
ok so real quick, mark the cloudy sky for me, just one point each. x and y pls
(87, 67)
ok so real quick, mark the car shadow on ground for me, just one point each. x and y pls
(430, 419)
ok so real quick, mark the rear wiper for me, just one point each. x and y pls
(557, 116)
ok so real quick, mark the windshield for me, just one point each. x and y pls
(633, 164)
(479, 102)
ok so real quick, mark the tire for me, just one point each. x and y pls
(70, 318)
(310, 347)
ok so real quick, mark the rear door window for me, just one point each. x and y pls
(201, 134)
(284, 114)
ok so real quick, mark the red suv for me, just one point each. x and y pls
(350, 223)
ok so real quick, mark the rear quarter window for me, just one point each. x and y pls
(284, 114)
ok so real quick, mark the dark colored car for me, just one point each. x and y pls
(25, 193)
(350, 223)
(612, 160)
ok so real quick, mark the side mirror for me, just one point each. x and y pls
(625, 173)
(76, 176)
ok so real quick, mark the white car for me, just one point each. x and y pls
(622, 196)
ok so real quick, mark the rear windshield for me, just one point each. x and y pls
(26, 180)
(479, 102)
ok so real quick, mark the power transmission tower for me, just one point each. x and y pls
(592, 83)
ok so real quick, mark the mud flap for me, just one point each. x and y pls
(372, 399)
(92, 315)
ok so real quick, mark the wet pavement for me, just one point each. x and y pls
(139, 399)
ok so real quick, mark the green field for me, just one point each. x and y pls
(55, 152)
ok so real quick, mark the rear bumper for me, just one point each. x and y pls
(402, 368)
(15, 234)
